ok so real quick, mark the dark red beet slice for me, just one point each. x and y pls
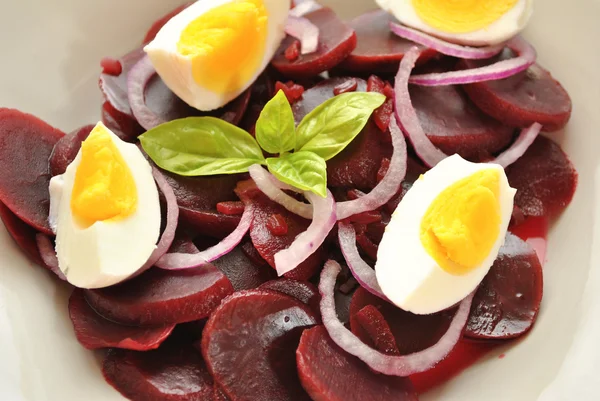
(523, 99)
(328, 373)
(508, 300)
(378, 50)
(22, 234)
(26, 143)
(158, 24)
(244, 273)
(455, 125)
(173, 372)
(219, 395)
(208, 222)
(249, 344)
(66, 149)
(303, 291)
(268, 244)
(93, 331)
(261, 92)
(371, 327)
(412, 332)
(160, 297)
(336, 41)
(122, 125)
(544, 178)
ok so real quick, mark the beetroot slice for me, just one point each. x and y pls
(328, 373)
(219, 395)
(412, 332)
(22, 234)
(209, 223)
(244, 273)
(371, 327)
(336, 41)
(160, 297)
(544, 178)
(94, 332)
(378, 50)
(303, 291)
(26, 143)
(508, 300)
(114, 88)
(523, 99)
(173, 372)
(249, 344)
(66, 149)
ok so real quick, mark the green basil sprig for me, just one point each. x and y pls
(199, 146)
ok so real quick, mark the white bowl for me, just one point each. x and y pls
(50, 65)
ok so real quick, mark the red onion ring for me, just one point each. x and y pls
(273, 189)
(520, 146)
(305, 31)
(441, 46)
(181, 261)
(137, 80)
(362, 272)
(305, 7)
(387, 187)
(323, 219)
(500, 70)
(405, 365)
(48, 254)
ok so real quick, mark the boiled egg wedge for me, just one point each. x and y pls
(468, 22)
(215, 49)
(105, 211)
(444, 235)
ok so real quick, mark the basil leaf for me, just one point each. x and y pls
(329, 128)
(201, 146)
(276, 128)
(303, 170)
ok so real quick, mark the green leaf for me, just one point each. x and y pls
(329, 128)
(276, 128)
(201, 146)
(303, 170)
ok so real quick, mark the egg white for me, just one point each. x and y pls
(106, 253)
(176, 69)
(507, 26)
(407, 274)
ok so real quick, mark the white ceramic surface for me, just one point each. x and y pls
(50, 55)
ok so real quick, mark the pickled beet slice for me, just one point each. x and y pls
(159, 297)
(22, 234)
(328, 373)
(336, 41)
(544, 178)
(412, 332)
(249, 344)
(173, 372)
(210, 223)
(303, 291)
(378, 50)
(26, 143)
(371, 327)
(122, 125)
(244, 273)
(508, 300)
(158, 24)
(455, 125)
(523, 99)
(66, 149)
(219, 395)
(94, 332)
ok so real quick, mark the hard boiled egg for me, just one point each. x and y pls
(215, 49)
(105, 211)
(444, 235)
(469, 22)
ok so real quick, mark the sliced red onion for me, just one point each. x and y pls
(180, 261)
(48, 254)
(137, 80)
(273, 188)
(405, 365)
(387, 187)
(362, 272)
(305, 31)
(304, 7)
(500, 70)
(520, 146)
(441, 46)
(323, 220)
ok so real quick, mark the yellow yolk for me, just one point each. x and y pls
(461, 16)
(463, 223)
(104, 188)
(226, 44)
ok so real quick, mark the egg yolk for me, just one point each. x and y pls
(226, 44)
(104, 188)
(462, 224)
(461, 16)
